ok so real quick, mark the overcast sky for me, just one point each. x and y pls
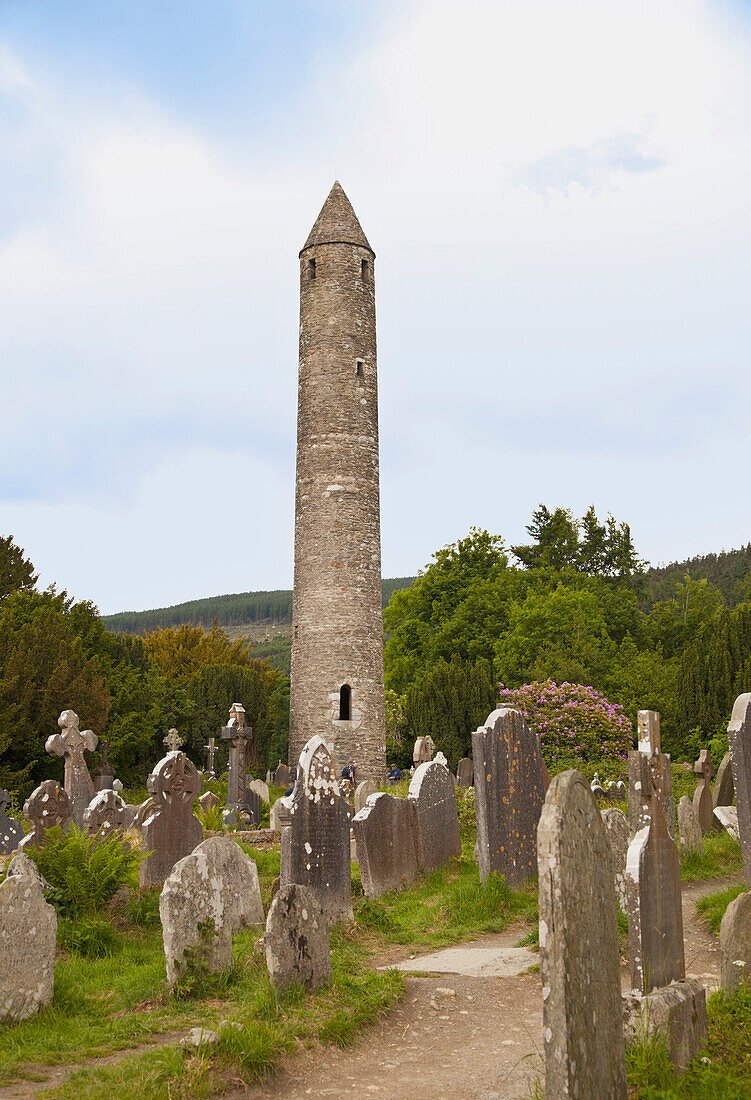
(559, 196)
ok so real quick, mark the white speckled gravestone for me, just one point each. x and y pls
(385, 837)
(363, 791)
(579, 957)
(71, 744)
(616, 826)
(649, 767)
(735, 944)
(169, 828)
(297, 940)
(433, 797)
(217, 882)
(106, 814)
(689, 831)
(739, 736)
(11, 831)
(28, 927)
(47, 806)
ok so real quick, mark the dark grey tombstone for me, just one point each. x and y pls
(385, 838)
(239, 736)
(104, 775)
(739, 736)
(281, 776)
(689, 829)
(315, 847)
(723, 791)
(11, 831)
(169, 829)
(253, 806)
(71, 744)
(465, 772)
(47, 806)
(703, 807)
(509, 794)
(579, 956)
(296, 942)
(433, 796)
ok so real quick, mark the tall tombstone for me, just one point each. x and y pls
(739, 736)
(71, 744)
(169, 829)
(579, 955)
(703, 807)
(465, 772)
(433, 797)
(648, 767)
(655, 916)
(28, 928)
(689, 829)
(239, 737)
(723, 791)
(11, 831)
(616, 827)
(735, 944)
(385, 837)
(315, 847)
(47, 806)
(509, 794)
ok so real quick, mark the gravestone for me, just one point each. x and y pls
(217, 882)
(655, 916)
(253, 811)
(169, 829)
(261, 789)
(727, 818)
(239, 737)
(315, 847)
(279, 815)
(676, 1013)
(296, 942)
(363, 791)
(71, 744)
(689, 830)
(11, 831)
(735, 944)
(723, 791)
(281, 776)
(173, 741)
(579, 955)
(28, 929)
(210, 753)
(465, 772)
(437, 839)
(385, 837)
(423, 750)
(649, 767)
(739, 736)
(22, 866)
(508, 796)
(104, 775)
(208, 801)
(106, 814)
(703, 796)
(48, 805)
(616, 827)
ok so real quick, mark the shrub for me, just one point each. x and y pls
(92, 937)
(86, 871)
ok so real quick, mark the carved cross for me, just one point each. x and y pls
(105, 773)
(71, 744)
(210, 750)
(703, 766)
(173, 740)
(239, 737)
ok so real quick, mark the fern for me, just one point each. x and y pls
(85, 871)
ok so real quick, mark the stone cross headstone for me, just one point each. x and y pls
(208, 801)
(28, 929)
(616, 827)
(433, 796)
(363, 791)
(104, 775)
(723, 791)
(169, 829)
(297, 940)
(735, 944)
(508, 794)
(423, 750)
(655, 916)
(385, 837)
(579, 956)
(106, 814)
(739, 736)
(703, 796)
(173, 741)
(281, 776)
(689, 830)
(649, 767)
(71, 744)
(47, 806)
(465, 772)
(210, 748)
(11, 831)
(239, 737)
(316, 848)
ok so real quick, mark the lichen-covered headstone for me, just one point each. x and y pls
(11, 831)
(703, 796)
(363, 791)
(297, 940)
(206, 898)
(28, 928)
(47, 806)
(106, 814)
(508, 794)
(385, 837)
(71, 744)
(433, 797)
(735, 944)
(676, 1014)
(239, 736)
(648, 768)
(655, 916)
(281, 776)
(688, 826)
(739, 736)
(723, 791)
(579, 957)
(315, 847)
(465, 772)
(727, 818)
(616, 827)
(169, 828)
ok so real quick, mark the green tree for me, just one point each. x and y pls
(556, 540)
(448, 703)
(16, 571)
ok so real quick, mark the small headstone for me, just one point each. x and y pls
(508, 795)
(676, 1013)
(423, 750)
(465, 772)
(579, 956)
(703, 796)
(217, 882)
(106, 814)
(297, 940)
(240, 737)
(173, 741)
(47, 806)
(261, 789)
(279, 815)
(688, 826)
(385, 837)
(28, 929)
(117, 785)
(281, 776)
(739, 736)
(104, 775)
(71, 744)
(363, 791)
(169, 829)
(723, 791)
(735, 944)
(315, 848)
(11, 831)
(432, 794)
(616, 827)
(727, 816)
(208, 801)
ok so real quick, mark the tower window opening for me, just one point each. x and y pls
(364, 270)
(360, 368)
(345, 703)
(311, 269)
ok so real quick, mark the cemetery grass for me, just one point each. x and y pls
(721, 857)
(712, 906)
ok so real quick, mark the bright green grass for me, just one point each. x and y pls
(721, 857)
(712, 906)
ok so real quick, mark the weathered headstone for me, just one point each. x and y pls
(208, 801)
(315, 848)
(210, 748)
(28, 928)
(727, 818)
(423, 750)
(279, 815)
(676, 1013)
(465, 772)
(508, 795)
(703, 795)
(71, 744)
(11, 831)
(723, 791)
(735, 944)
(739, 736)
(579, 957)
(649, 767)
(173, 741)
(616, 827)
(239, 736)
(261, 789)
(297, 939)
(281, 776)
(22, 866)
(688, 826)
(363, 791)
(47, 806)
(104, 774)
(216, 883)
(655, 917)
(169, 829)
(437, 838)
(385, 837)
(253, 811)
(106, 814)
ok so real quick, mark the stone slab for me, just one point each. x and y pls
(727, 816)
(723, 791)
(735, 944)
(689, 830)
(465, 772)
(385, 844)
(677, 1011)
(296, 942)
(472, 962)
(616, 827)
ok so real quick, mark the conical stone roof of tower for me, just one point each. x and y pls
(337, 223)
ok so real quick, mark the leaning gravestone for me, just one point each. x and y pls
(723, 792)
(703, 796)
(71, 743)
(28, 929)
(47, 806)
(465, 772)
(217, 882)
(11, 831)
(509, 795)
(281, 776)
(649, 767)
(579, 956)
(735, 944)
(727, 818)
(106, 814)
(739, 736)
(385, 837)
(169, 829)
(688, 826)
(315, 848)
(433, 798)
(297, 940)
(363, 791)
(616, 827)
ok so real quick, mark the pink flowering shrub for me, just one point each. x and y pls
(577, 725)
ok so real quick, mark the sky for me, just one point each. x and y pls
(559, 196)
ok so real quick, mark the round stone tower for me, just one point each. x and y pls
(337, 611)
